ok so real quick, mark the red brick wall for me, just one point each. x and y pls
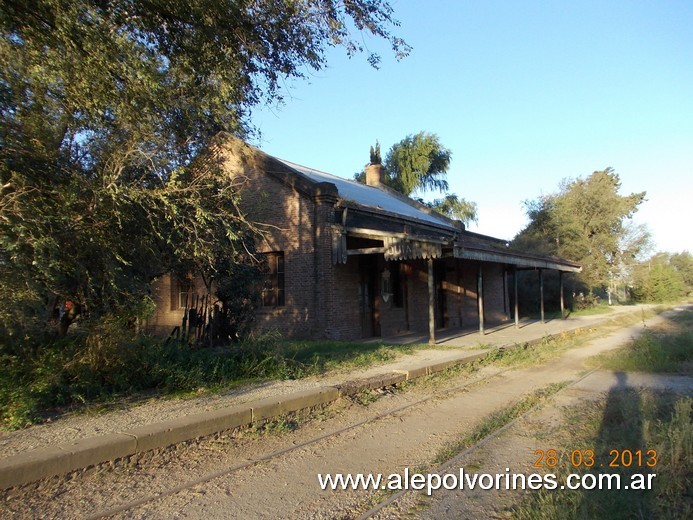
(289, 216)
(321, 299)
(343, 315)
(470, 310)
(460, 292)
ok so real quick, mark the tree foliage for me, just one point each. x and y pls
(587, 221)
(456, 208)
(658, 279)
(375, 154)
(420, 162)
(683, 263)
(105, 108)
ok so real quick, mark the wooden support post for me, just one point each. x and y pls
(506, 304)
(541, 293)
(517, 303)
(560, 283)
(480, 297)
(431, 305)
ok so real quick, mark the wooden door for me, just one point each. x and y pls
(368, 297)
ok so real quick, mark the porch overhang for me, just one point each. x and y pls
(374, 231)
(404, 246)
(516, 259)
(395, 246)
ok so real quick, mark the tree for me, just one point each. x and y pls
(417, 162)
(585, 221)
(420, 162)
(658, 280)
(457, 208)
(375, 154)
(106, 106)
(683, 263)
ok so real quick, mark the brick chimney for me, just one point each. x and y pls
(374, 175)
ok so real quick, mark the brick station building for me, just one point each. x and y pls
(350, 260)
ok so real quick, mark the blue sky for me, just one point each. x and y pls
(525, 94)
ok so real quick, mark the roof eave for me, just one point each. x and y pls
(519, 260)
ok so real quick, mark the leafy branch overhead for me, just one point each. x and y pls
(104, 108)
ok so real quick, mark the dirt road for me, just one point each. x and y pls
(274, 473)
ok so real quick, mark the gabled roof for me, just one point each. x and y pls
(374, 198)
(407, 228)
(468, 245)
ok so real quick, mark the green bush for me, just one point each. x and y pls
(106, 360)
(659, 283)
(109, 360)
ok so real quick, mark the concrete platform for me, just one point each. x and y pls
(63, 458)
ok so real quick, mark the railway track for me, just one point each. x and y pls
(457, 459)
(132, 505)
(216, 478)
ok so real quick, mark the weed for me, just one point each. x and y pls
(107, 364)
(652, 352)
(625, 419)
(278, 426)
(497, 420)
(366, 397)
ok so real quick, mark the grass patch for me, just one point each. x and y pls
(626, 419)
(654, 350)
(497, 420)
(629, 419)
(532, 354)
(651, 352)
(552, 347)
(684, 319)
(108, 368)
(602, 308)
(326, 356)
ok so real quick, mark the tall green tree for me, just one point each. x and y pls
(587, 221)
(104, 108)
(420, 163)
(658, 280)
(683, 263)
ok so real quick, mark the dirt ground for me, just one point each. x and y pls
(514, 451)
(272, 472)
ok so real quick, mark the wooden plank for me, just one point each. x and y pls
(366, 251)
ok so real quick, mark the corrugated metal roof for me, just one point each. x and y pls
(369, 196)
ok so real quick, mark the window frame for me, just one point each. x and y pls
(273, 288)
(182, 289)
